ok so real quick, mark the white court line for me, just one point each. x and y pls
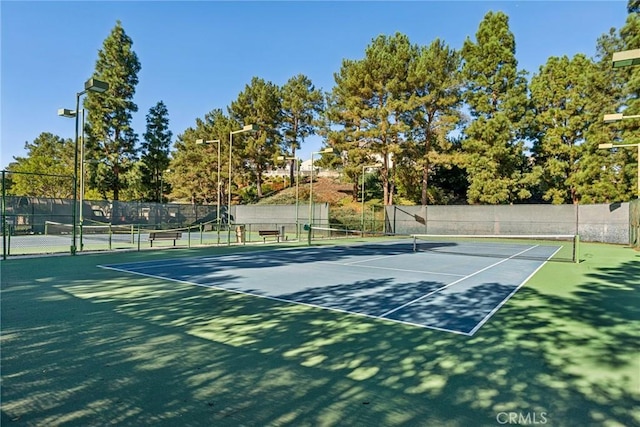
(378, 317)
(282, 300)
(454, 282)
(497, 307)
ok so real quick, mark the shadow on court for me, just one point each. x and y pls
(84, 346)
(378, 280)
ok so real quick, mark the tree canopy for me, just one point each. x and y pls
(437, 124)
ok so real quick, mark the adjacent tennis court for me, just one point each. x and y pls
(386, 280)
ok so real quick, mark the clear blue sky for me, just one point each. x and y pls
(198, 56)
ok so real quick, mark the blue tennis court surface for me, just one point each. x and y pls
(443, 291)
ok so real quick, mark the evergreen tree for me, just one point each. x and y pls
(194, 168)
(342, 127)
(111, 140)
(135, 189)
(47, 155)
(611, 175)
(433, 111)
(630, 35)
(560, 100)
(259, 104)
(155, 152)
(369, 100)
(496, 95)
(302, 105)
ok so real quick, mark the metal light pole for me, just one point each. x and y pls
(91, 85)
(610, 118)
(246, 128)
(326, 150)
(296, 160)
(63, 112)
(162, 184)
(82, 182)
(218, 184)
(627, 58)
(362, 190)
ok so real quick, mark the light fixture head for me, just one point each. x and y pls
(208, 141)
(626, 58)
(95, 85)
(610, 118)
(64, 112)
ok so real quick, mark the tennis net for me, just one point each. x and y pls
(57, 228)
(332, 233)
(560, 247)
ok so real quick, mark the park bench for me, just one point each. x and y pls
(266, 233)
(164, 235)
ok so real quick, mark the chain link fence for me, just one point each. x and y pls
(45, 225)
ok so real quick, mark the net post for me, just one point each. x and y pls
(188, 236)
(414, 244)
(138, 237)
(576, 248)
(110, 235)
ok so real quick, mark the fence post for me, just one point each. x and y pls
(4, 217)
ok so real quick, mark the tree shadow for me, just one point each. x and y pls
(86, 346)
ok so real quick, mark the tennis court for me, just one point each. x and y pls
(384, 280)
(234, 336)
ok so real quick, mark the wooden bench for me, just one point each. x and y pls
(164, 235)
(266, 233)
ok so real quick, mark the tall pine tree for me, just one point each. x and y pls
(369, 101)
(433, 111)
(111, 139)
(302, 105)
(611, 175)
(496, 95)
(259, 104)
(155, 152)
(560, 100)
